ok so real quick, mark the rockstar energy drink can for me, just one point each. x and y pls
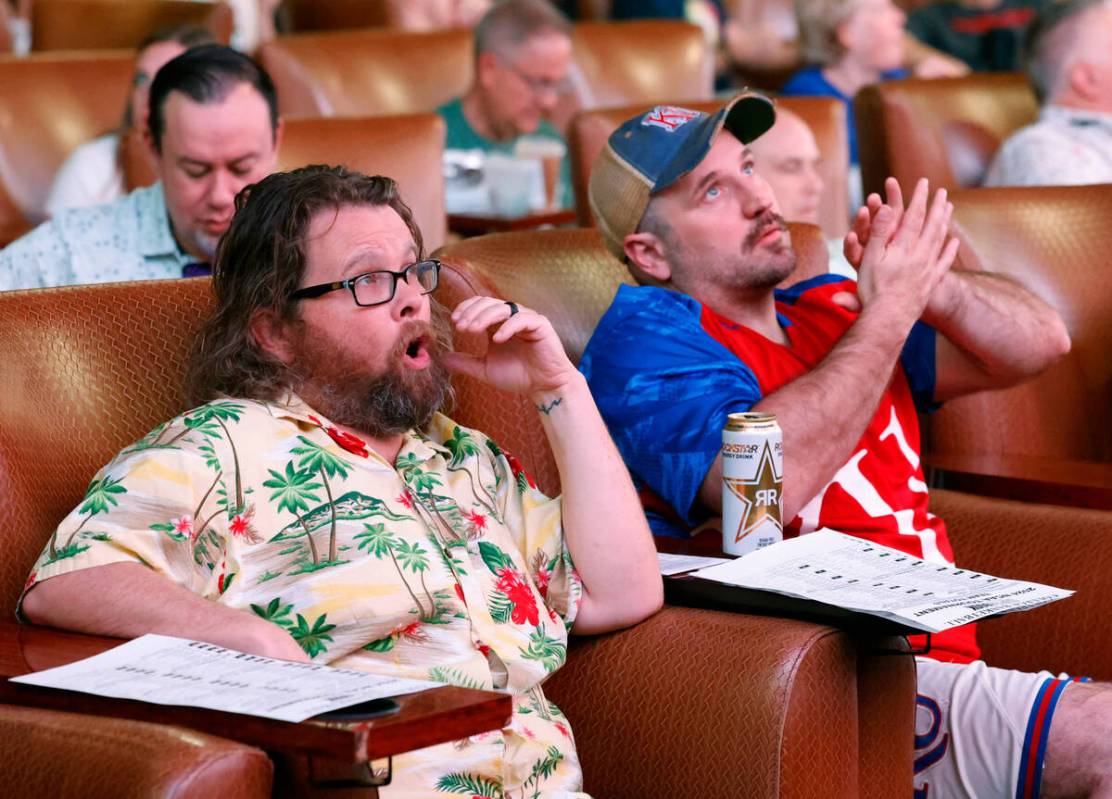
(752, 479)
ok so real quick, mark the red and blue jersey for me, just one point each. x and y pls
(665, 372)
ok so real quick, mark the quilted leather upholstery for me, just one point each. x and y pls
(1053, 240)
(65, 24)
(87, 370)
(826, 117)
(367, 72)
(1067, 547)
(49, 105)
(49, 754)
(945, 129)
(641, 61)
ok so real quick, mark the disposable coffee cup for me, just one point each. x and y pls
(550, 153)
(513, 184)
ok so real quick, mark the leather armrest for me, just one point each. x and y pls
(45, 753)
(1062, 546)
(705, 703)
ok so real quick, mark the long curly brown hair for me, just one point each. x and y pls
(260, 262)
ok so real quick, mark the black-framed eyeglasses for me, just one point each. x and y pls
(376, 288)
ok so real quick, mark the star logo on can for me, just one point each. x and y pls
(759, 497)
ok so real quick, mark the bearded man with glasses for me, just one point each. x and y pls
(316, 506)
(522, 57)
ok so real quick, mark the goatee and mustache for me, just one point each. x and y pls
(383, 404)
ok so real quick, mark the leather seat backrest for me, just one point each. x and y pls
(1054, 241)
(87, 370)
(826, 117)
(99, 24)
(368, 72)
(49, 105)
(406, 147)
(642, 61)
(568, 276)
(945, 129)
(332, 15)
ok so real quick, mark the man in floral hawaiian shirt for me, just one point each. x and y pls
(318, 507)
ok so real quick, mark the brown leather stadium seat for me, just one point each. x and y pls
(406, 147)
(368, 72)
(1053, 240)
(49, 104)
(99, 24)
(643, 61)
(333, 15)
(826, 116)
(945, 129)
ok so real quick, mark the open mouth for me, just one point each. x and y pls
(416, 354)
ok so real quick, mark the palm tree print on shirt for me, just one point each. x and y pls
(100, 497)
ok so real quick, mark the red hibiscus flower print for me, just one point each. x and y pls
(513, 585)
(410, 632)
(405, 498)
(542, 576)
(563, 729)
(459, 593)
(477, 520)
(31, 580)
(240, 525)
(353, 444)
(518, 469)
(483, 648)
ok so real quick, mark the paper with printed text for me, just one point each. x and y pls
(852, 573)
(175, 671)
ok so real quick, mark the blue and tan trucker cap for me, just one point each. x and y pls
(650, 152)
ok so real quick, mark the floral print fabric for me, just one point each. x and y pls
(449, 565)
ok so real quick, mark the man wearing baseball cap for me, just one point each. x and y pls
(844, 367)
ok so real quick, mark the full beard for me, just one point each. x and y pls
(381, 404)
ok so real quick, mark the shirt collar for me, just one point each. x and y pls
(418, 446)
(156, 237)
(1076, 117)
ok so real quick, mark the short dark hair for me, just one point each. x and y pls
(207, 74)
(260, 262)
(510, 22)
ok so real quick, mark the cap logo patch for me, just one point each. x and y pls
(669, 117)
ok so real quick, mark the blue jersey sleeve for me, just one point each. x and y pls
(664, 388)
(918, 361)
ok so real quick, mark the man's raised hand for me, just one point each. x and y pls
(524, 354)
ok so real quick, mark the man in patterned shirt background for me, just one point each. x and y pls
(318, 506)
(213, 128)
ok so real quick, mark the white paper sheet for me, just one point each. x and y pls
(678, 564)
(849, 572)
(175, 671)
